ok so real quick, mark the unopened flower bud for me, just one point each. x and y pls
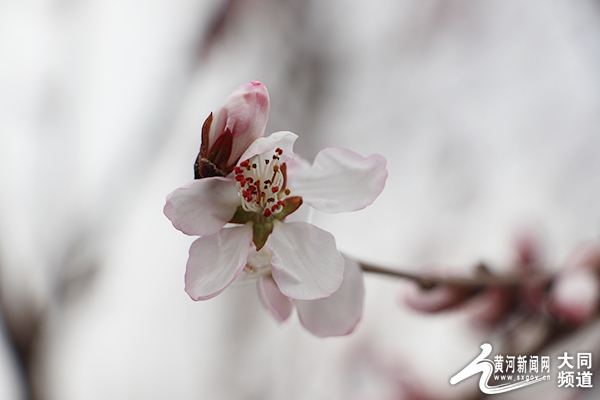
(228, 132)
(576, 291)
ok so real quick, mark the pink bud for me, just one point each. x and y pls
(576, 292)
(575, 295)
(228, 132)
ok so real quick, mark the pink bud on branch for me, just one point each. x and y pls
(228, 132)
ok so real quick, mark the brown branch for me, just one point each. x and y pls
(483, 279)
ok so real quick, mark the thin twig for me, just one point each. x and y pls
(481, 280)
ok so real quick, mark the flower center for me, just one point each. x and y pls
(260, 183)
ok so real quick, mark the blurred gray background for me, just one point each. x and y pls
(487, 112)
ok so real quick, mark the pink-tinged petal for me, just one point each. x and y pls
(340, 313)
(244, 113)
(203, 206)
(575, 294)
(340, 180)
(280, 306)
(216, 260)
(294, 165)
(305, 263)
(282, 140)
(258, 264)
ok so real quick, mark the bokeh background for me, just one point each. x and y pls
(487, 112)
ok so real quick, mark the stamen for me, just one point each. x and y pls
(260, 183)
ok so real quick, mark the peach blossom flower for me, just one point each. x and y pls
(294, 261)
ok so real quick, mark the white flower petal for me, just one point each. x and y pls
(305, 264)
(340, 180)
(258, 264)
(216, 260)
(340, 313)
(283, 140)
(280, 306)
(296, 164)
(203, 206)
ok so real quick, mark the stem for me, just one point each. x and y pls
(484, 278)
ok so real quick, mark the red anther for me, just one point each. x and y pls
(274, 207)
(243, 182)
(244, 163)
(281, 203)
(275, 189)
(267, 213)
(278, 151)
(250, 179)
(239, 177)
(237, 170)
